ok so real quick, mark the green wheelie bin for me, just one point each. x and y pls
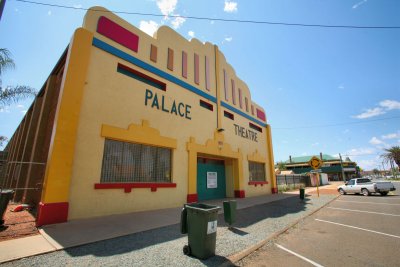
(5, 196)
(302, 192)
(199, 221)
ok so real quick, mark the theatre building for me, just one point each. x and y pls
(128, 122)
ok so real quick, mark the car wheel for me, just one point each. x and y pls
(384, 193)
(342, 192)
(365, 192)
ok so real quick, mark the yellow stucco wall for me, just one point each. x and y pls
(114, 100)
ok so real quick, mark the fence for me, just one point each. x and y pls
(293, 179)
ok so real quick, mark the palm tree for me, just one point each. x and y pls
(392, 154)
(11, 93)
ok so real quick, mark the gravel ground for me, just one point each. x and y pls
(163, 246)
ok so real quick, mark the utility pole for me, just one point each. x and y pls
(2, 4)
(341, 166)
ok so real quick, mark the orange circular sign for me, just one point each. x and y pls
(315, 162)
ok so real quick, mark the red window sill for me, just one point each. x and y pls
(255, 183)
(128, 186)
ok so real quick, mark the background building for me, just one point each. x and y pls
(331, 166)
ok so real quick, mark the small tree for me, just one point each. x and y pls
(375, 171)
(281, 166)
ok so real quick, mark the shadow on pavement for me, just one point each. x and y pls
(249, 216)
(141, 240)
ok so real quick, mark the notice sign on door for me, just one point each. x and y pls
(211, 180)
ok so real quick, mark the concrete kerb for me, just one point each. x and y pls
(246, 252)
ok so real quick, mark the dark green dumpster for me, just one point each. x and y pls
(199, 221)
(5, 196)
(302, 190)
(230, 211)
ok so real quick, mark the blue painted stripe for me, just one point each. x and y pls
(225, 105)
(118, 53)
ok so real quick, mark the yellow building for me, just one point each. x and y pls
(128, 122)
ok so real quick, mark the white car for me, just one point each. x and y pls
(366, 187)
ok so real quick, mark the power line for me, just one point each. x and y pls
(221, 19)
(334, 124)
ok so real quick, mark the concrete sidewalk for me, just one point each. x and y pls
(85, 231)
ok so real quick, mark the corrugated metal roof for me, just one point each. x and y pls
(325, 157)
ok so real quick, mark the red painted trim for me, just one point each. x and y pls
(191, 198)
(274, 190)
(184, 64)
(255, 127)
(229, 115)
(258, 183)
(240, 194)
(128, 186)
(117, 33)
(206, 105)
(144, 76)
(196, 69)
(260, 114)
(51, 213)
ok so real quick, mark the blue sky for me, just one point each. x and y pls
(330, 90)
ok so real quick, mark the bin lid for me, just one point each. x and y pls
(6, 191)
(202, 207)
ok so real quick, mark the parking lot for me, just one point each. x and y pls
(353, 230)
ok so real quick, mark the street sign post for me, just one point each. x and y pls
(316, 163)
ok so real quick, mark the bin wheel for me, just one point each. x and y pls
(186, 250)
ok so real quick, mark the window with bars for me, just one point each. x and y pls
(257, 171)
(131, 163)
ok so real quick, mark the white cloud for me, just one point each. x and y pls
(354, 152)
(167, 7)
(391, 136)
(177, 22)
(191, 34)
(77, 6)
(341, 87)
(368, 164)
(20, 106)
(384, 106)
(49, 12)
(4, 109)
(372, 112)
(148, 27)
(228, 39)
(359, 4)
(230, 6)
(315, 144)
(375, 141)
(390, 104)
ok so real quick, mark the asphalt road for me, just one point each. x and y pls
(353, 230)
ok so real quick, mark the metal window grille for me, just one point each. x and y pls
(127, 162)
(257, 171)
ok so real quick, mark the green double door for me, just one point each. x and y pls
(211, 182)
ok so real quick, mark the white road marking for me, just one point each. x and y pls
(364, 211)
(301, 257)
(363, 229)
(367, 202)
